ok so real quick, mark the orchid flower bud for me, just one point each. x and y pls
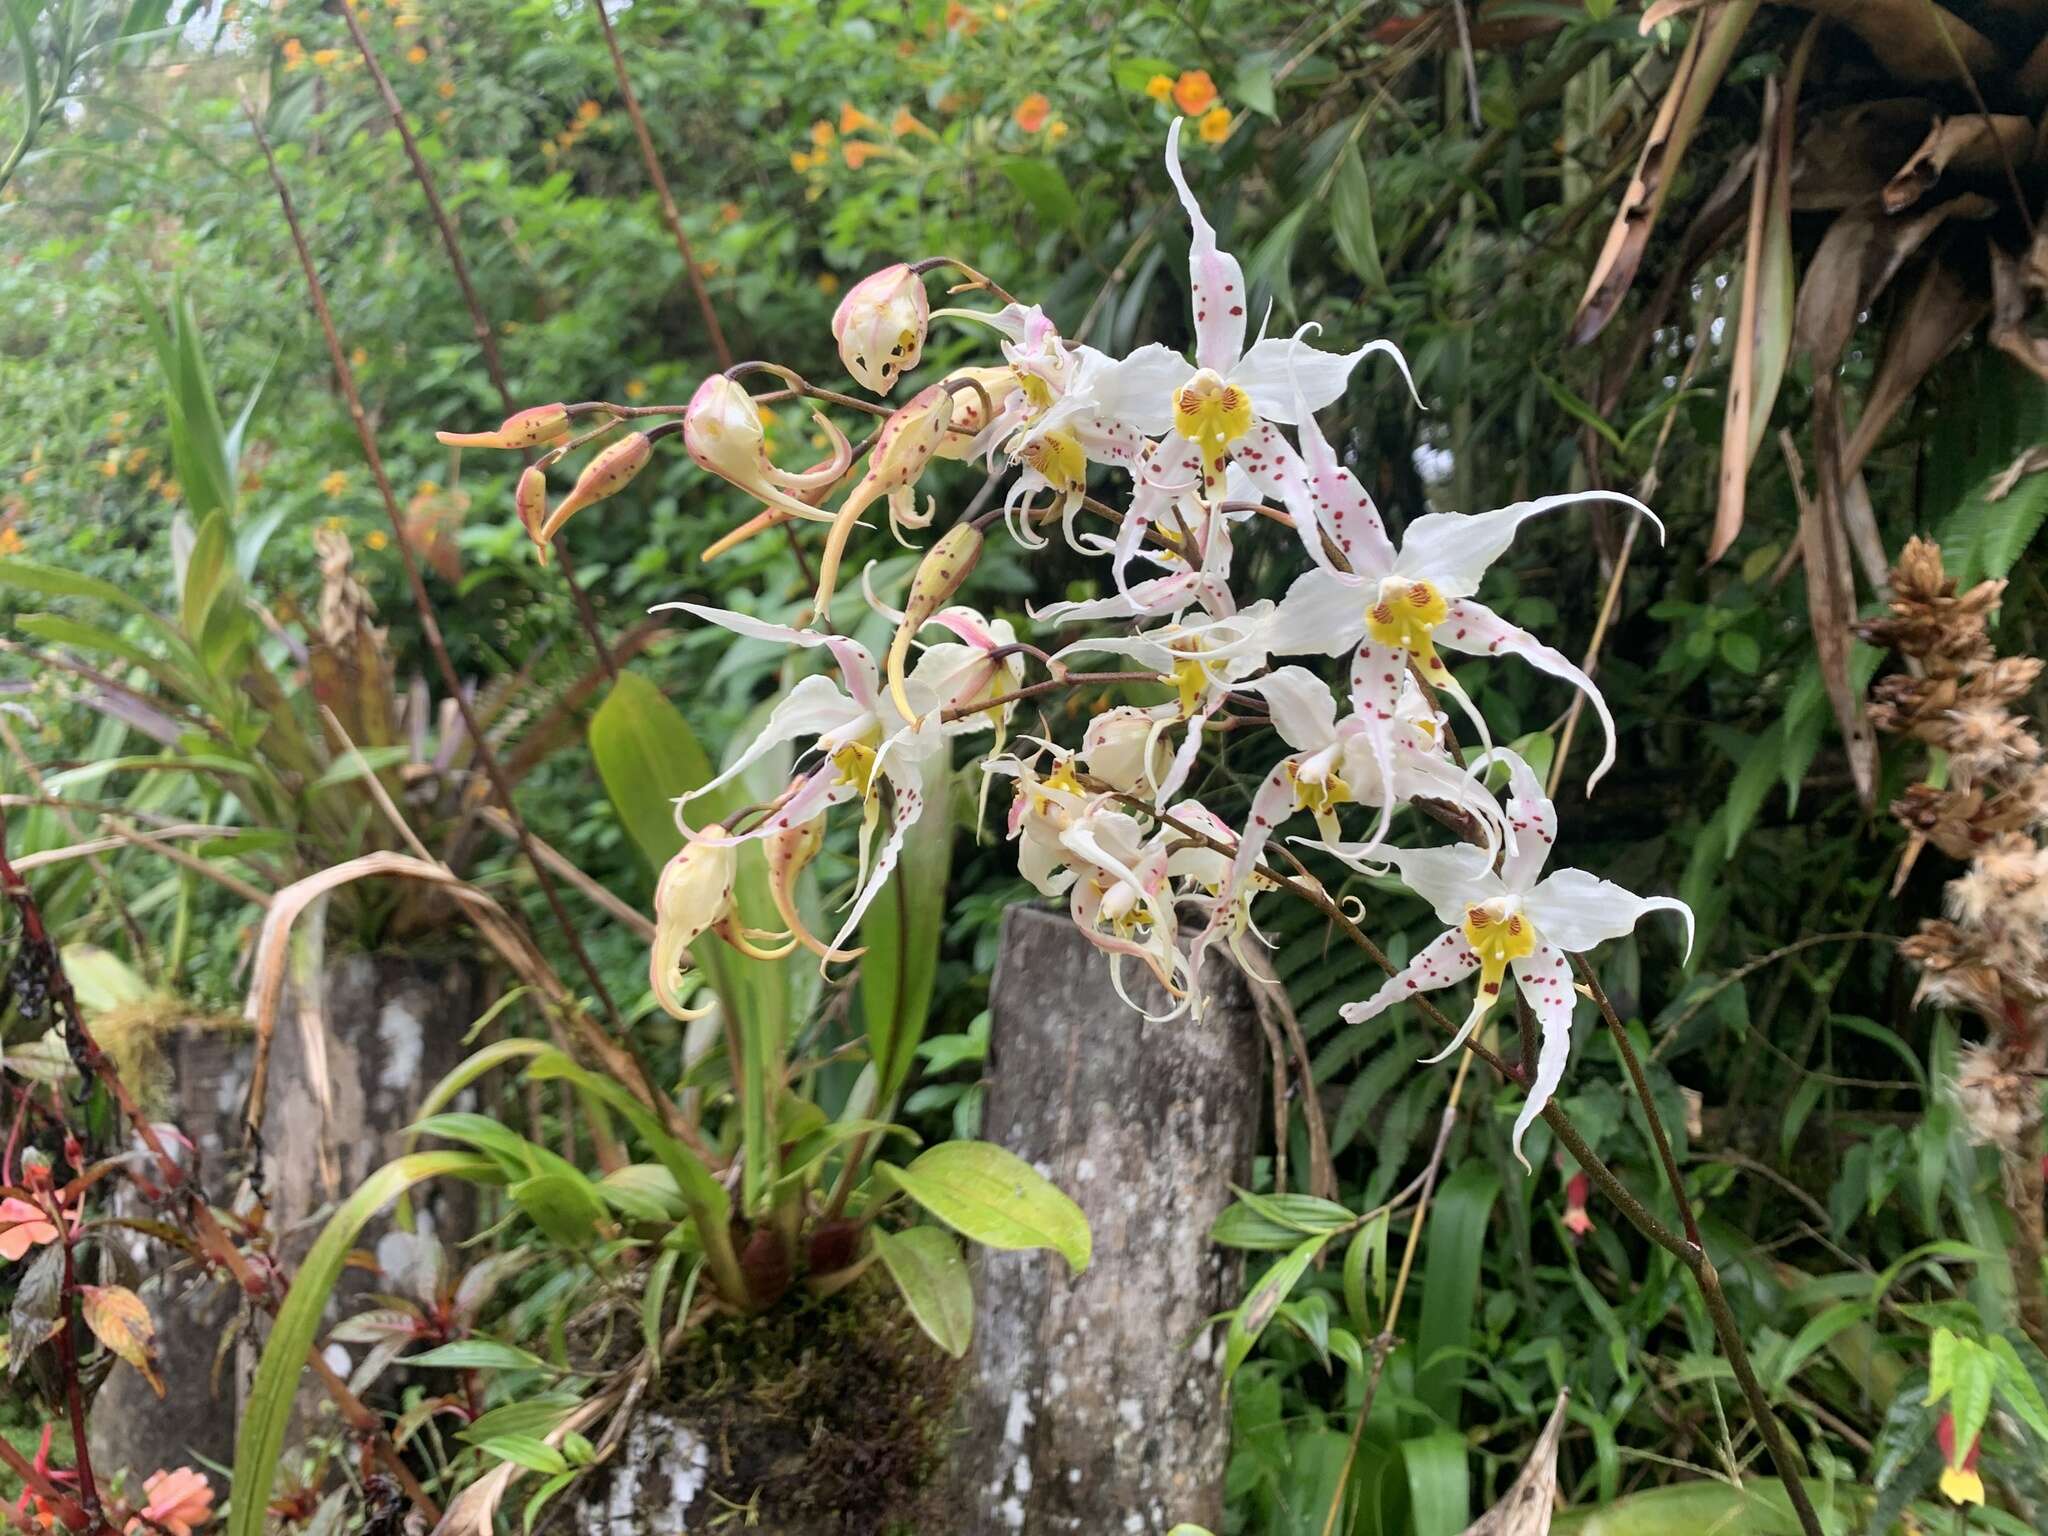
(533, 427)
(1125, 748)
(938, 577)
(609, 473)
(530, 501)
(880, 326)
(722, 430)
(903, 449)
(693, 895)
(790, 851)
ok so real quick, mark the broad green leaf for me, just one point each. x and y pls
(1351, 219)
(528, 1416)
(926, 1265)
(530, 1451)
(267, 1410)
(702, 1192)
(643, 1192)
(1045, 188)
(1450, 1285)
(50, 581)
(1439, 1491)
(1275, 1221)
(479, 1355)
(1257, 1309)
(563, 1205)
(995, 1198)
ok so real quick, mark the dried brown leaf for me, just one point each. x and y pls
(1831, 608)
(1975, 145)
(1843, 153)
(2015, 293)
(1935, 317)
(1525, 1509)
(1700, 68)
(120, 1321)
(1907, 37)
(1856, 259)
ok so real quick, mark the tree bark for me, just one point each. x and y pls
(132, 1429)
(1094, 1403)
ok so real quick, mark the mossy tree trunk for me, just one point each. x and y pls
(1094, 1403)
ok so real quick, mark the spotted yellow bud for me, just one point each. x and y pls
(938, 577)
(790, 851)
(534, 427)
(610, 472)
(693, 895)
(903, 450)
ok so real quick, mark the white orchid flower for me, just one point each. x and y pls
(1514, 918)
(1419, 597)
(1122, 901)
(861, 743)
(1228, 405)
(1204, 660)
(1388, 751)
(1208, 877)
(1044, 807)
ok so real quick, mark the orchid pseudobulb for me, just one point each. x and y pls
(1332, 697)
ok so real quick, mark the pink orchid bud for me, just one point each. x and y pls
(903, 449)
(531, 428)
(1577, 1190)
(938, 577)
(880, 326)
(605, 475)
(1125, 748)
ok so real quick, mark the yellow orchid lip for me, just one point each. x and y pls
(855, 761)
(1498, 934)
(1405, 616)
(1211, 413)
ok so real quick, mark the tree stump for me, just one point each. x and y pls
(1094, 1403)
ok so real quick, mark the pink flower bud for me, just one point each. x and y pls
(722, 429)
(531, 428)
(880, 326)
(606, 475)
(530, 501)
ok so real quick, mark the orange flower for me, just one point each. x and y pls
(22, 1226)
(446, 90)
(729, 213)
(821, 133)
(334, 482)
(1032, 112)
(960, 19)
(828, 283)
(951, 102)
(1214, 127)
(1159, 87)
(903, 122)
(325, 56)
(1194, 92)
(10, 541)
(294, 53)
(858, 152)
(853, 120)
(179, 1502)
(636, 389)
(415, 54)
(589, 112)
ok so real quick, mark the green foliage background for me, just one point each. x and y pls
(1369, 193)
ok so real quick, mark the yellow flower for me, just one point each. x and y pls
(1215, 125)
(1194, 92)
(137, 457)
(446, 89)
(333, 524)
(828, 283)
(1032, 112)
(323, 57)
(31, 475)
(1159, 87)
(110, 467)
(429, 488)
(376, 538)
(821, 133)
(589, 112)
(1000, 12)
(636, 389)
(358, 358)
(799, 160)
(415, 54)
(10, 542)
(170, 490)
(858, 153)
(1057, 131)
(334, 482)
(405, 21)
